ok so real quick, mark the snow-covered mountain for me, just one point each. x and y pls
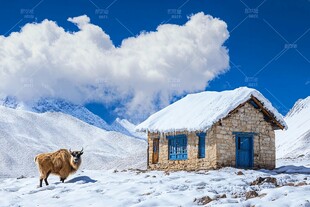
(126, 127)
(11, 102)
(78, 111)
(24, 134)
(295, 142)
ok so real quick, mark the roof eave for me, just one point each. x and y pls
(274, 121)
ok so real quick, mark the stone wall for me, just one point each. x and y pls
(220, 143)
(192, 162)
(246, 119)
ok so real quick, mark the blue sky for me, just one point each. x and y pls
(268, 44)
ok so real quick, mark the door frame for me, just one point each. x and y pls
(250, 135)
(153, 154)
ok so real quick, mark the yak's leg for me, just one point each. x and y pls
(41, 180)
(45, 180)
(63, 174)
(42, 173)
(62, 179)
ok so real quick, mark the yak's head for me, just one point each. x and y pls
(76, 156)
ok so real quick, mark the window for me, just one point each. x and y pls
(202, 145)
(177, 146)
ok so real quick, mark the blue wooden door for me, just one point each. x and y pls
(244, 151)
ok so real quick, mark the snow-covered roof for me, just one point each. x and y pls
(198, 112)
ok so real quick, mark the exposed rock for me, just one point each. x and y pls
(240, 173)
(203, 200)
(234, 196)
(271, 180)
(301, 183)
(223, 196)
(289, 184)
(251, 194)
(21, 177)
(145, 194)
(138, 171)
(261, 180)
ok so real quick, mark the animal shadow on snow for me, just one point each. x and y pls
(81, 179)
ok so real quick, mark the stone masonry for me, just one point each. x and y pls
(220, 143)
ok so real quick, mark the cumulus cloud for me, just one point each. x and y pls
(140, 76)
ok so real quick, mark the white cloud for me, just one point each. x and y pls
(142, 74)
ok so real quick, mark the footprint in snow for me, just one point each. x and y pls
(50, 187)
(12, 190)
(217, 179)
(179, 187)
(100, 191)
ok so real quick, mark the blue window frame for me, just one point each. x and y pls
(177, 146)
(201, 145)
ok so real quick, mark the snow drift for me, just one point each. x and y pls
(25, 134)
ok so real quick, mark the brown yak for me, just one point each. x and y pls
(62, 163)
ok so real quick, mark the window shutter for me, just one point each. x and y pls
(202, 145)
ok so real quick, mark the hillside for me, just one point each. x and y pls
(44, 105)
(75, 110)
(24, 134)
(295, 142)
(125, 127)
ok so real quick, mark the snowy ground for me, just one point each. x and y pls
(138, 188)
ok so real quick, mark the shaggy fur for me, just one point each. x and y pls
(62, 163)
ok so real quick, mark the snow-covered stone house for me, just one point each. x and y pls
(209, 130)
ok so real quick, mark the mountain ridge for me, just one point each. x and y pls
(44, 105)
